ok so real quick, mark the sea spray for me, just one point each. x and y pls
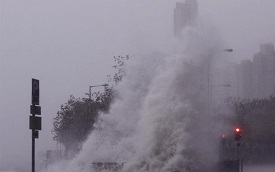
(159, 122)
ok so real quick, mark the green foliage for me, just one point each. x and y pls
(76, 118)
(120, 68)
(256, 118)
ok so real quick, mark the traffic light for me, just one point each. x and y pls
(238, 134)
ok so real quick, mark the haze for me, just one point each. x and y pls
(69, 45)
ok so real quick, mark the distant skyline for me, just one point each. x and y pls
(185, 14)
(258, 75)
(248, 79)
(69, 45)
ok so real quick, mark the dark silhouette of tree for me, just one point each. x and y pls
(76, 118)
(256, 118)
(120, 68)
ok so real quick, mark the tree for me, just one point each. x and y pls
(75, 120)
(256, 118)
(120, 68)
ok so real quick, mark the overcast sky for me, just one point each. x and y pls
(69, 45)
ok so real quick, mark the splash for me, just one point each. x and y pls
(159, 122)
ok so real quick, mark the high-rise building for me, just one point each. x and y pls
(250, 79)
(185, 14)
(264, 71)
(224, 83)
(257, 77)
(245, 78)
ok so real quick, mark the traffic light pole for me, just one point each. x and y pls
(239, 156)
(238, 144)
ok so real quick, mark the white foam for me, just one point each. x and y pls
(159, 121)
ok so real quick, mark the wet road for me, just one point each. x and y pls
(263, 168)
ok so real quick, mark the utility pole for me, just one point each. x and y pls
(208, 77)
(211, 92)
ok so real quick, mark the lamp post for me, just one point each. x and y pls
(211, 93)
(229, 50)
(90, 97)
(90, 89)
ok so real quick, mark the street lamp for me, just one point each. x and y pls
(90, 89)
(211, 93)
(229, 50)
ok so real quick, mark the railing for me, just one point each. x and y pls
(252, 152)
(104, 166)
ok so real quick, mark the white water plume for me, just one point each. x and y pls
(159, 122)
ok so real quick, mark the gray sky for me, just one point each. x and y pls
(69, 45)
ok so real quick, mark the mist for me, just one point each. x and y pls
(160, 120)
(69, 45)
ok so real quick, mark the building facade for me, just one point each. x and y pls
(185, 14)
(264, 71)
(245, 78)
(250, 79)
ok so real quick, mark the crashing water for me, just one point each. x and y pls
(159, 122)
